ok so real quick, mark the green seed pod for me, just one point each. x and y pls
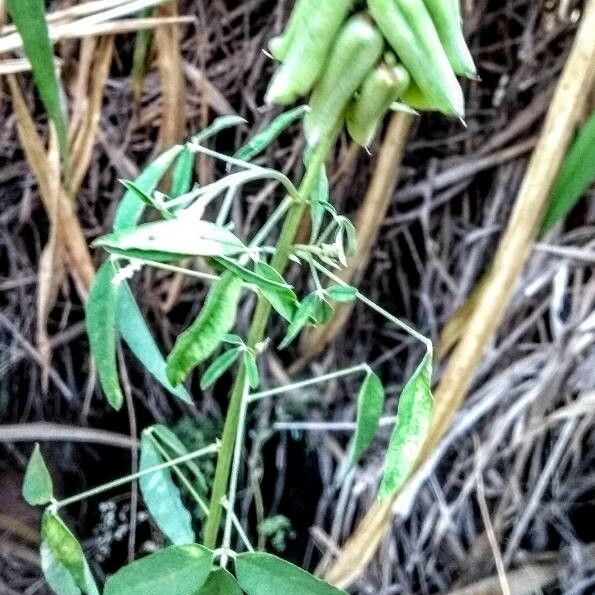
(410, 31)
(447, 19)
(357, 49)
(279, 46)
(414, 97)
(317, 24)
(380, 88)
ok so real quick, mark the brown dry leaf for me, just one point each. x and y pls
(173, 88)
(514, 249)
(75, 244)
(369, 220)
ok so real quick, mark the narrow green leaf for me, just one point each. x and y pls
(183, 172)
(146, 198)
(323, 312)
(283, 301)
(177, 448)
(264, 574)
(575, 177)
(130, 209)
(319, 202)
(180, 236)
(411, 428)
(342, 293)
(219, 367)
(175, 570)
(162, 496)
(29, 19)
(252, 372)
(249, 276)
(55, 573)
(37, 485)
(100, 319)
(218, 124)
(135, 332)
(220, 582)
(67, 550)
(263, 139)
(370, 404)
(301, 319)
(215, 320)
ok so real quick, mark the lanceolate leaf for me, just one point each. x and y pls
(100, 318)
(146, 198)
(411, 428)
(370, 403)
(181, 179)
(37, 485)
(162, 497)
(283, 301)
(220, 582)
(252, 372)
(183, 236)
(55, 573)
(176, 570)
(319, 201)
(67, 550)
(215, 320)
(219, 367)
(576, 175)
(131, 207)
(135, 332)
(29, 19)
(264, 574)
(219, 124)
(263, 139)
(301, 318)
(261, 281)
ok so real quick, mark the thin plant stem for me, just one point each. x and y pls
(310, 382)
(207, 450)
(256, 334)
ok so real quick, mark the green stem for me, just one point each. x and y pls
(256, 334)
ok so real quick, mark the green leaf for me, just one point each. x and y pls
(249, 276)
(264, 574)
(283, 301)
(301, 319)
(180, 236)
(174, 445)
(130, 209)
(162, 496)
(135, 332)
(37, 485)
(56, 575)
(319, 202)
(411, 428)
(576, 175)
(29, 19)
(100, 318)
(175, 570)
(342, 293)
(218, 124)
(220, 582)
(263, 139)
(323, 312)
(67, 550)
(219, 367)
(215, 320)
(252, 373)
(183, 172)
(370, 404)
(146, 198)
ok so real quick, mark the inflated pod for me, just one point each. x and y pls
(315, 29)
(379, 90)
(357, 49)
(447, 20)
(409, 29)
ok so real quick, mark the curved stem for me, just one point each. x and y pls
(256, 334)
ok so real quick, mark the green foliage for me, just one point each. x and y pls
(220, 582)
(37, 485)
(175, 570)
(162, 496)
(370, 403)
(29, 19)
(263, 574)
(576, 175)
(277, 530)
(55, 573)
(215, 320)
(64, 548)
(411, 428)
(301, 318)
(219, 366)
(182, 174)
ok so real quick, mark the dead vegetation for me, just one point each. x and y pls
(504, 502)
